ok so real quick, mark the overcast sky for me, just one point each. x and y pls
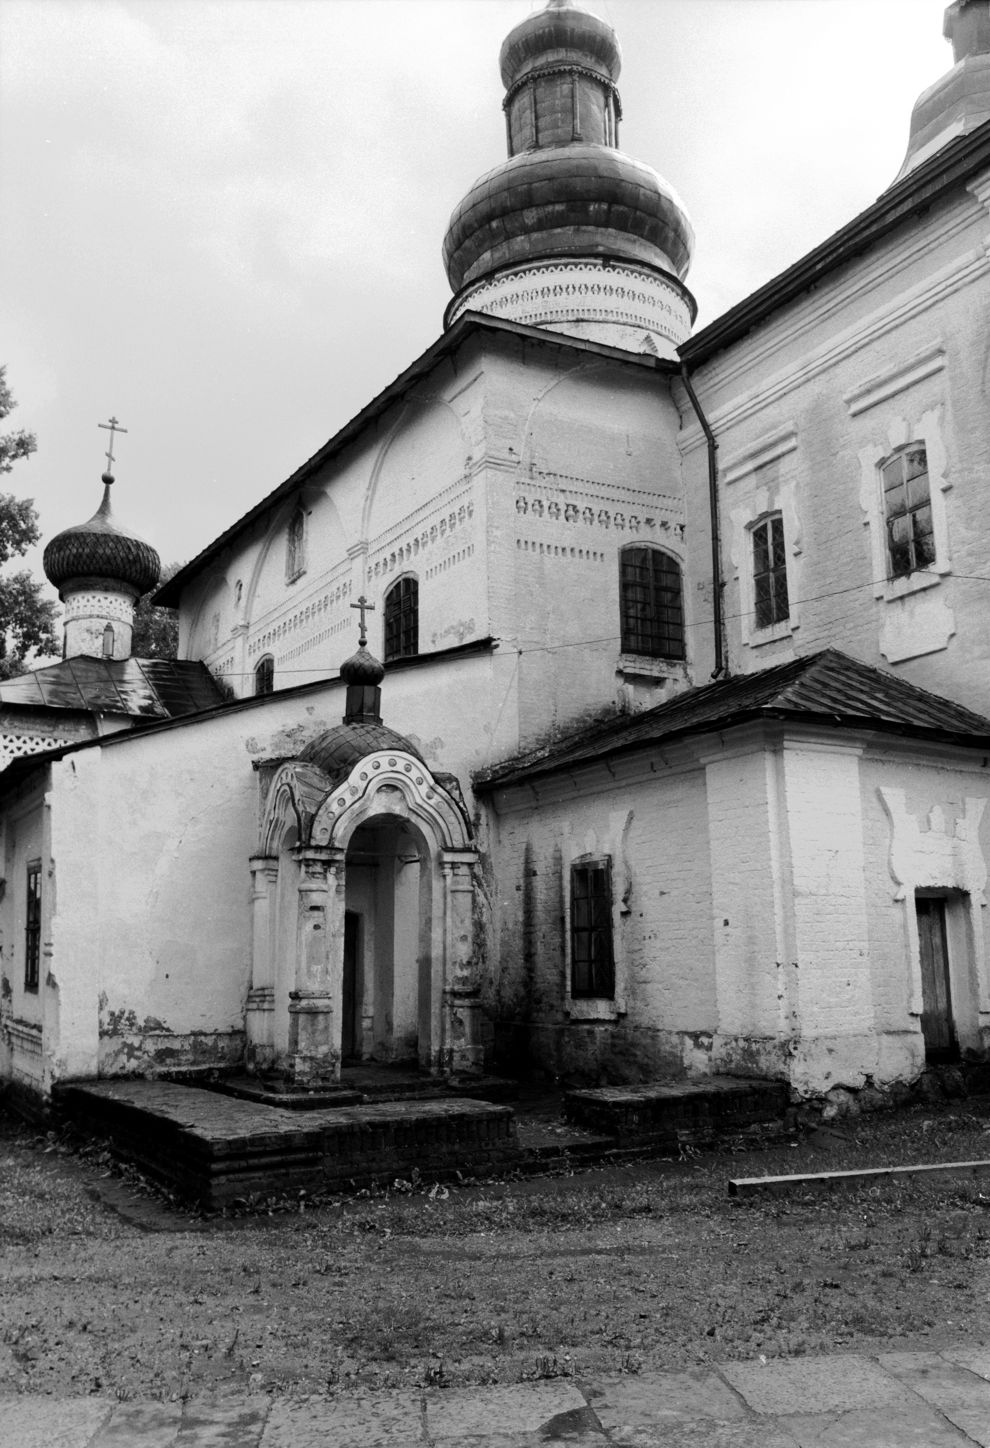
(221, 220)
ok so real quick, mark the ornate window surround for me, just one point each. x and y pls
(926, 431)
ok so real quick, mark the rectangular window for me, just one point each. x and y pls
(402, 620)
(32, 927)
(771, 604)
(908, 511)
(592, 956)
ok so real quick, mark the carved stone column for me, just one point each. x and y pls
(259, 1013)
(463, 1050)
(314, 1003)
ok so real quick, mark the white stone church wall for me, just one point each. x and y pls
(888, 350)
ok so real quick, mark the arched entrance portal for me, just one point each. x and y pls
(363, 919)
(385, 1010)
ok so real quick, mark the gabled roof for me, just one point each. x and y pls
(905, 201)
(467, 325)
(140, 688)
(825, 688)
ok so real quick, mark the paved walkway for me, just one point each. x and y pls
(898, 1400)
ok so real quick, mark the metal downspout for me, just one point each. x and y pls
(718, 618)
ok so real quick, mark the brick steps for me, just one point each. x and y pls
(677, 1111)
(216, 1149)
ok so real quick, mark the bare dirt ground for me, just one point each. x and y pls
(108, 1288)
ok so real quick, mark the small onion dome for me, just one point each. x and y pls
(562, 34)
(338, 750)
(362, 668)
(574, 200)
(101, 548)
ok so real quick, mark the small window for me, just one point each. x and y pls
(651, 604)
(264, 676)
(295, 553)
(771, 604)
(907, 510)
(592, 956)
(402, 620)
(108, 641)
(32, 927)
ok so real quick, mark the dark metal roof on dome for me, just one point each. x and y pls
(825, 688)
(145, 688)
(575, 200)
(102, 548)
(338, 750)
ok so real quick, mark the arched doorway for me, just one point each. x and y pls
(363, 922)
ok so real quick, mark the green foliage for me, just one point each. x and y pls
(13, 445)
(27, 618)
(156, 630)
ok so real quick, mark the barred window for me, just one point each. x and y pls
(908, 510)
(402, 620)
(32, 927)
(592, 955)
(651, 603)
(264, 676)
(770, 573)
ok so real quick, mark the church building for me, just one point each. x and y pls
(664, 749)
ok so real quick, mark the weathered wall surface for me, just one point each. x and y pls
(887, 350)
(25, 1015)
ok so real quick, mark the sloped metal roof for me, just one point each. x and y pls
(828, 687)
(142, 688)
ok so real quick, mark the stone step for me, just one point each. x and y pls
(692, 1111)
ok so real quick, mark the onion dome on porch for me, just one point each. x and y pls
(100, 569)
(569, 232)
(960, 100)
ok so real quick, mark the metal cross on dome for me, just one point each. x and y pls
(365, 607)
(113, 427)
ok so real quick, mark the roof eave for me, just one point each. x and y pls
(944, 172)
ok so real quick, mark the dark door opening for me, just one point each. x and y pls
(937, 1025)
(350, 1025)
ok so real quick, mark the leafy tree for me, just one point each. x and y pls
(27, 618)
(156, 630)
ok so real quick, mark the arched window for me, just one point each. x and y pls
(770, 601)
(264, 676)
(402, 620)
(295, 550)
(108, 641)
(651, 603)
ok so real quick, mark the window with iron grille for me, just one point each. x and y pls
(592, 956)
(264, 676)
(651, 603)
(295, 550)
(32, 927)
(770, 601)
(402, 620)
(908, 511)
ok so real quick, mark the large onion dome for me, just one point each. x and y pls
(569, 232)
(102, 549)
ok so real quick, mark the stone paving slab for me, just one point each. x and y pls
(384, 1420)
(651, 1399)
(707, 1433)
(905, 1425)
(942, 1383)
(152, 1425)
(975, 1359)
(456, 1414)
(814, 1384)
(51, 1422)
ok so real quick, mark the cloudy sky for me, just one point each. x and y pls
(221, 220)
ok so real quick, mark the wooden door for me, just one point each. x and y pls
(350, 1025)
(936, 995)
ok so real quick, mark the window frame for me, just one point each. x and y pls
(266, 686)
(659, 631)
(400, 614)
(32, 927)
(295, 544)
(920, 541)
(599, 927)
(775, 573)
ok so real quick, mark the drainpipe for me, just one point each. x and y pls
(718, 621)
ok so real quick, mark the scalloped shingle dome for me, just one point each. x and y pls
(101, 548)
(339, 749)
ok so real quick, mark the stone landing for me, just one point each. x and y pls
(675, 1112)
(215, 1149)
